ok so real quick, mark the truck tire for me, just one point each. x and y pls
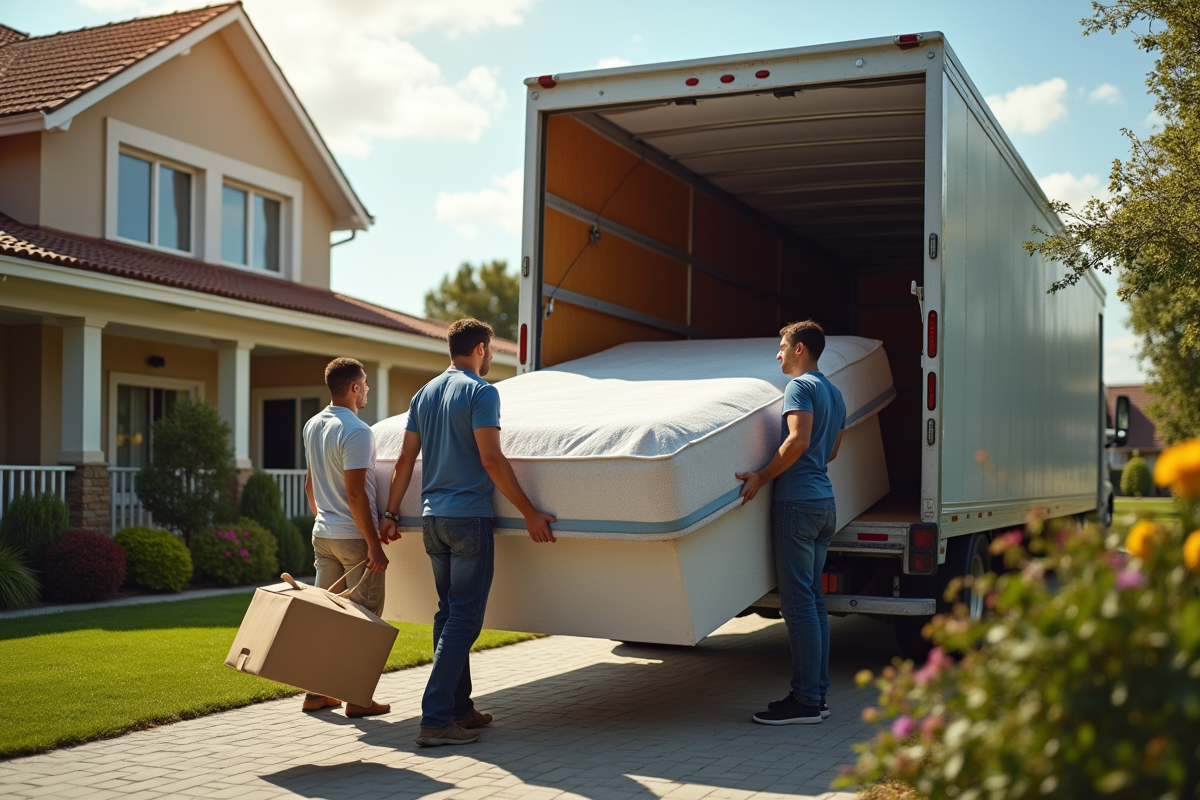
(965, 555)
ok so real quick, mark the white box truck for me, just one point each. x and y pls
(863, 184)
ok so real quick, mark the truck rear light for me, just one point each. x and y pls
(922, 548)
(762, 73)
(692, 81)
(931, 392)
(547, 81)
(726, 79)
(907, 41)
(831, 582)
(523, 343)
(931, 345)
(872, 537)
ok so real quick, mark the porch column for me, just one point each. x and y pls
(82, 388)
(233, 401)
(377, 400)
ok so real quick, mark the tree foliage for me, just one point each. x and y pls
(1135, 478)
(1160, 318)
(491, 296)
(190, 465)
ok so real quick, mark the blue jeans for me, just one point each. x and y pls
(800, 532)
(463, 552)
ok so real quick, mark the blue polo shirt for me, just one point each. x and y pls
(445, 413)
(808, 478)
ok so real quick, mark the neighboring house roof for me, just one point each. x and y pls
(46, 80)
(1143, 434)
(50, 246)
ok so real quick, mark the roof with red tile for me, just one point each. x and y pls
(48, 246)
(8, 34)
(41, 73)
(1143, 434)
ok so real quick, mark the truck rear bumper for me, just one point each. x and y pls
(865, 604)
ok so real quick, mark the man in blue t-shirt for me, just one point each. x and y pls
(455, 420)
(803, 518)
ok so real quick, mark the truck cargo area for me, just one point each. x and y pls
(729, 216)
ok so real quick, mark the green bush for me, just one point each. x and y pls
(18, 586)
(1135, 478)
(83, 567)
(260, 499)
(32, 523)
(304, 524)
(155, 559)
(292, 551)
(237, 554)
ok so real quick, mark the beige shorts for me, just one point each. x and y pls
(336, 557)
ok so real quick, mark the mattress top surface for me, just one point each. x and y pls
(642, 399)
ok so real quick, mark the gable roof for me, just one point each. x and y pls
(46, 80)
(1143, 433)
(48, 246)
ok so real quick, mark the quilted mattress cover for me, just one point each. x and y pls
(642, 440)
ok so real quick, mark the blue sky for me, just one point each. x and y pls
(423, 103)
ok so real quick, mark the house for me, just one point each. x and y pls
(166, 212)
(1143, 438)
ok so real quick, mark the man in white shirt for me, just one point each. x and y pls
(340, 485)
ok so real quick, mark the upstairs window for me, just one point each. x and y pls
(154, 203)
(250, 229)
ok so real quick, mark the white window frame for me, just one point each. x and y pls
(296, 393)
(251, 191)
(155, 163)
(116, 379)
(210, 172)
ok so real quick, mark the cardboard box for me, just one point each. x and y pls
(314, 640)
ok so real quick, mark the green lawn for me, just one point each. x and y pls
(81, 675)
(1156, 507)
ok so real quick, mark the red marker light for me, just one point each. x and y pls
(522, 347)
(692, 81)
(726, 79)
(547, 81)
(931, 346)
(872, 537)
(931, 398)
(907, 41)
(762, 73)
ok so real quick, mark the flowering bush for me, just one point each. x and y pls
(1084, 685)
(83, 567)
(155, 559)
(236, 554)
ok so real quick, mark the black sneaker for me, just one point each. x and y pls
(824, 708)
(789, 711)
(775, 705)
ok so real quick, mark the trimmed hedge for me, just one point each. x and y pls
(261, 503)
(304, 524)
(155, 559)
(19, 587)
(1135, 478)
(238, 554)
(32, 523)
(83, 567)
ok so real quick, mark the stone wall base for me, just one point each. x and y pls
(89, 499)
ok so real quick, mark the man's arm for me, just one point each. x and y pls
(836, 445)
(360, 509)
(308, 490)
(794, 446)
(410, 448)
(501, 473)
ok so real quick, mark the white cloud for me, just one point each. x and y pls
(356, 73)
(1106, 93)
(1065, 186)
(499, 204)
(1154, 121)
(612, 61)
(1031, 108)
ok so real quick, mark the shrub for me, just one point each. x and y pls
(261, 503)
(83, 567)
(32, 523)
(237, 554)
(18, 586)
(1083, 685)
(292, 551)
(304, 524)
(155, 559)
(1135, 478)
(189, 469)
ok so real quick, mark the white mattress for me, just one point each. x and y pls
(642, 440)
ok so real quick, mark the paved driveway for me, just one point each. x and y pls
(575, 718)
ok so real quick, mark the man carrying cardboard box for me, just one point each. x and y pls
(340, 485)
(455, 418)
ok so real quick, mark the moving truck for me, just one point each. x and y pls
(865, 185)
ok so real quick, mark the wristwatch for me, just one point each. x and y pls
(389, 515)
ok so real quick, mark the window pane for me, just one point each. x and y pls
(233, 225)
(174, 208)
(279, 434)
(133, 426)
(266, 234)
(133, 198)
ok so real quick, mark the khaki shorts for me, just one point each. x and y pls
(336, 557)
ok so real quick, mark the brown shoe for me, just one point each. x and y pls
(367, 711)
(476, 719)
(319, 702)
(451, 734)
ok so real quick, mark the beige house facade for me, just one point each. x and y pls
(166, 212)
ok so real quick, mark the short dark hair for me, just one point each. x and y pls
(340, 374)
(467, 334)
(808, 333)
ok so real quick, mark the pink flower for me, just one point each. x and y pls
(243, 553)
(228, 554)
(1116, 560)
(245, 534)
(1007, 541)
(903, 727)
(1130, 579)
(930, 725)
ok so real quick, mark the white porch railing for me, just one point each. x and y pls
(15, 480)
(126, 507)
(291, 490)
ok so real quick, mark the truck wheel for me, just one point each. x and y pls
(965, 555)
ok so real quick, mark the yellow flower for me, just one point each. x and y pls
(1179, 468)
(1191, 550)
(1139, 541)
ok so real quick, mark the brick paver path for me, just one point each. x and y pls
(575, 718)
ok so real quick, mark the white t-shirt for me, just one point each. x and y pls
(336, 440)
